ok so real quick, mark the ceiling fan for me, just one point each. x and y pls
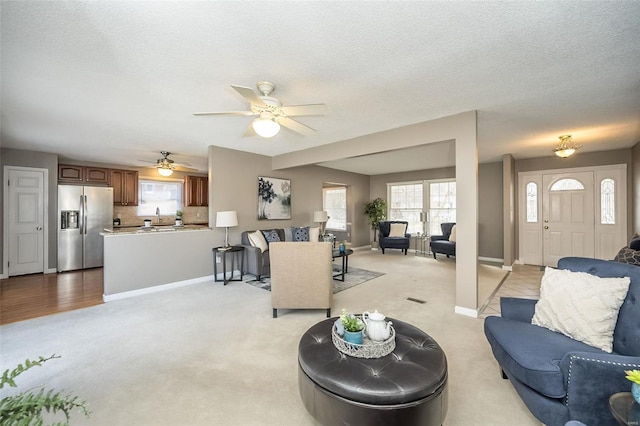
(270, 113)
(166, 166)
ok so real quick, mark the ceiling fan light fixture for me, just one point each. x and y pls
(266, 125)
(165, 171)
(566, 147)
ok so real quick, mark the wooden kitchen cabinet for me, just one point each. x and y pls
(125, 187)
(82, 174)
(197, 191)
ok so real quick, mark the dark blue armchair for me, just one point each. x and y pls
(558, 378)
(386, 241)
(441, 243)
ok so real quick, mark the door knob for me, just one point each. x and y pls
(39, 228)
(546, 227)
(546, 221)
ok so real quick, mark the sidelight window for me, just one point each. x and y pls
(532, 202)
(607, 202)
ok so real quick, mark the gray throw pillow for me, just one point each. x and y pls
(635, 242)
(300, 234)
(628, 255)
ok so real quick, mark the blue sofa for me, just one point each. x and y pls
(558, 378)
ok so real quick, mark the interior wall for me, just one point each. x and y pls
(508, 209)
(233, 181)
(490, 226)
(581, 159)
(635, 175)
(43, 160)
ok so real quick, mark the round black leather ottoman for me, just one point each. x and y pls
(406, 387)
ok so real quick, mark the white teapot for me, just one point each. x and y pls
(376, 328)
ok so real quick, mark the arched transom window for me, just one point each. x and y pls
(567, 185)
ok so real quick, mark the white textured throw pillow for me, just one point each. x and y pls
(452, 237)
(257, 240)
(580, 305)
(397, 230)
(314, 234)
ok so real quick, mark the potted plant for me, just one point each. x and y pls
(353, 327)
(376, 211)
(634, 377)
(28, 407)
(179, 218)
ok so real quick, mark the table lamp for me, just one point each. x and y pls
(321, 217)
(226, 220)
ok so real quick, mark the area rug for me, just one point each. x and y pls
(354, 277)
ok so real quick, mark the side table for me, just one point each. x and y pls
(422, 245)
(624, 409)
(234, 251)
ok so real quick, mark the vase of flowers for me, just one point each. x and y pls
(634, 377)
(353, 327)
(179, 218)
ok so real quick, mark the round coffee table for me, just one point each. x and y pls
(406, 387)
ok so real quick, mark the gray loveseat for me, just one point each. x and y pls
(257, 262)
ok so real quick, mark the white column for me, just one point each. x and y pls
(467, 219)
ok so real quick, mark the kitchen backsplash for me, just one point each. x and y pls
(129, 216)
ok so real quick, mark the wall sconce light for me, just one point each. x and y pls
(566, 147)
(226, 220)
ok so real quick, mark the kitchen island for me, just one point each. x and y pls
(142, 260)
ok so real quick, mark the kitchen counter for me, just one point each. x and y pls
(138, 262)
(128, 230)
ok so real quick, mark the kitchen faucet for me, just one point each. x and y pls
(158, 214)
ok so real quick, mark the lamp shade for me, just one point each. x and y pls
(320, 216)
(226, 219)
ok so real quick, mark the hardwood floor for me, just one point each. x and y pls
(31, 296)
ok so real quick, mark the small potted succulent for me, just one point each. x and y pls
(353, 327)
(179, 218)
(634, 377)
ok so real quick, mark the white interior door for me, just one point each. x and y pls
(568, 216)
(26, 222)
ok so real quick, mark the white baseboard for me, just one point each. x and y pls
(473, 313)
(51, 271)
(361, 248)
(491, 259)
(154, 289)
(3, 276)
(507, 268)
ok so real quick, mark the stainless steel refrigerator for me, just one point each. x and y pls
(83, 213)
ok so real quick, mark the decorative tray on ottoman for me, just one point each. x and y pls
(368, 348)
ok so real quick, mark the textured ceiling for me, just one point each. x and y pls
(115, 82)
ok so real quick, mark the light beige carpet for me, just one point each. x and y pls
(209, 354)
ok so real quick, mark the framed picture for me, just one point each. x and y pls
(274, 198)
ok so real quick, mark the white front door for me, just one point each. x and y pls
(26, 222)
(568, 216)
(571, 212)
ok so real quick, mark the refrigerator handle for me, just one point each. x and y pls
(84, 219)
(81, 215)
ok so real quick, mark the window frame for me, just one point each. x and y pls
(330, 225)
(146, 209)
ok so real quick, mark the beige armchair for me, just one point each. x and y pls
(301, 276)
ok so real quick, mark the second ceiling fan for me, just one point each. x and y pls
(270, 113)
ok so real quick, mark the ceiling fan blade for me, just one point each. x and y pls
(185, 169)
(249, 95)
(243, 113)
(311, 109)
(296, 126)
(250, 132)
